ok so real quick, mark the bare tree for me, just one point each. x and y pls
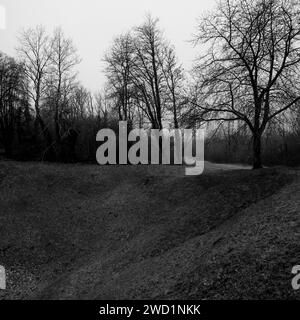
(35, 51)
(147, 71)
(100, 108)
(81, 103)
(173, 74)
(62, 77)
(250, 72)
(144, 76)
(12, 85)
(119, 61)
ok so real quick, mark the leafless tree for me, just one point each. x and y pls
(174, 76)
(144, 76)
(250, 71)
(35, 51)
(119, 61)
(80, 103)
(147, 72)
(62, 76)
(12, 99)
(100, 107)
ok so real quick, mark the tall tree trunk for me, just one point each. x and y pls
(176, 126)
(157, 90)
(257, 164)
(49, 155)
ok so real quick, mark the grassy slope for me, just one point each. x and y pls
(74, 231)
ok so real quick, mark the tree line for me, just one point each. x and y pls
(243, 87)
(43, 104)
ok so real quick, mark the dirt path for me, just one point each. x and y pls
(179, 171)
(210, 166)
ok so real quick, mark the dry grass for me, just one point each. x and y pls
(76, 231)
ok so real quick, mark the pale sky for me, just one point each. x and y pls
(92, 24)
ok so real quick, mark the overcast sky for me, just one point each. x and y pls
(92, 24)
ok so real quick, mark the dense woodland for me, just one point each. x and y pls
(244, 88)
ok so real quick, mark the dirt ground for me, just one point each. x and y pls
(139, 232)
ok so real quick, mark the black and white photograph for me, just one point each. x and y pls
(149, 151)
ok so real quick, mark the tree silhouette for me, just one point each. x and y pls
(250, 71)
